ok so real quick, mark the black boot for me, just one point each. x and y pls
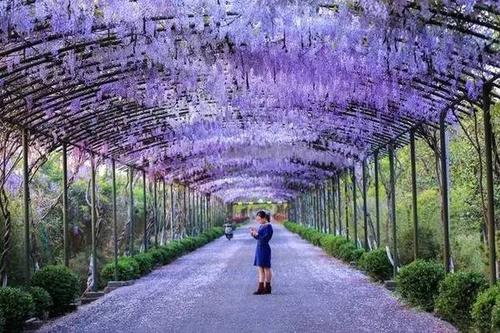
(261, 290)
(268, 288)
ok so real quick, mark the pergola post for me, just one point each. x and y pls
(323, 208)
(445, 216)
(115, 232)
(145, 211)
(346, 193)
(414, 194)
(490, 197)
(131, 209)
(65, 204)
(354, 206)
(184, 208)
(339, 203)
(377, 196)
(164, 211)
(26, 203)
(155, 211)
(393, 209)
(93, 223)
(365, 207)
(172, 211)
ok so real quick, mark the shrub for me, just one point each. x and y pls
(176, 248)
(315, 238)
(357, 254)
(418, 283)
(158, 256)
(2, 321)
(17, 306)
(128, 269)
(338, 241)
(346, 251)
(326, 242)
(457, 293)
(376, 264)
(495, 316)
(145, 261)
(60, 283)
(42, 301)
(188, 244)
(482, 309)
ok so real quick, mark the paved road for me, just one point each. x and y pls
(210, 290)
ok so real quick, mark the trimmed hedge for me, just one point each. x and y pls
(145, 261)
(457, 293)
(483, 307)
(2, 321)
(130, 268)
(17, 306)
(60, 283)
(376, 264)
(495, 316)
(418, 283)
(42, 301)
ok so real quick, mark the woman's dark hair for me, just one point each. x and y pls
(264, 215)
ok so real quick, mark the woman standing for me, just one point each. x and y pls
(263, 252)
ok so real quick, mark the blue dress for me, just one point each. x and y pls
(263, 250)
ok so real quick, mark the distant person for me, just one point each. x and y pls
(263, 252)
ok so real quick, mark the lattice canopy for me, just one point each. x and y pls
(242, 98)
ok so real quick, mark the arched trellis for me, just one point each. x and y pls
(65, 86)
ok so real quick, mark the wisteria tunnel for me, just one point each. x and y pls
(132, 131)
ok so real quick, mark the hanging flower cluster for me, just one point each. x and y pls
(241, 98)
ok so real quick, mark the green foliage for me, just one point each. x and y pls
(346, 252)
(457, 293)
(418, 283)
(17, 306)
(376, 264)
(2, 321)
(42, 301)
(128, 269)
(357, 254)
(145, 261)
(495, 316)
(60, 283)
(429, 247)
(483, 307)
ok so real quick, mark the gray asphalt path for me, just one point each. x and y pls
(210, 290)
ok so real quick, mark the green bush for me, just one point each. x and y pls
(357, 254)
(2, 321)
(128, 269)
(188, 244)
(418, 283)
(495, 316)
(376, 264)
(335, 246)
(457, 293)
(331, 244)
(17, 306)
(60, 283)
(158, 256)
(42, 301)
(483, 307)
(346, 252)
(167, 255)
(145, 261)
(176, 247)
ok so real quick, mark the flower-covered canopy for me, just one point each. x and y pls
(242, 98)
